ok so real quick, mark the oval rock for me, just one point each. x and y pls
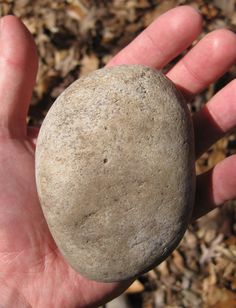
(115, 171)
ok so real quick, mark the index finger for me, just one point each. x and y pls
(163, 40)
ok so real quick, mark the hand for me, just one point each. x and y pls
(32, 271)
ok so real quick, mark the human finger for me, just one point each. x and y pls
(163, 40)
(205, 62)
(215, 187)
(215, 119)
(18, 68)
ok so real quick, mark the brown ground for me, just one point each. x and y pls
(75, 37)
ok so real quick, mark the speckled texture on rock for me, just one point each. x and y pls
(115, 171)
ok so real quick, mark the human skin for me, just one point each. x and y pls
(32, 270)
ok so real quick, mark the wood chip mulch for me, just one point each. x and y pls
(75, 37)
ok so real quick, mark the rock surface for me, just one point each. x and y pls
(115, 171)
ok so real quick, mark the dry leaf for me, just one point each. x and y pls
(136, 287)
(89, 63)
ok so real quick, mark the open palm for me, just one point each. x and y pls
(32, 271)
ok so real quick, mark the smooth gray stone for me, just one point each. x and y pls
(115, 171)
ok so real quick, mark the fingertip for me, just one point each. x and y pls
(215, 187)
(222, 107)
(224, 180)
(15, 40)
(18, 70)
(191, 13)
(221, 42)
(164, 39)
(224, 34)
(10, 17)
(191, 17)
(207, 61)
